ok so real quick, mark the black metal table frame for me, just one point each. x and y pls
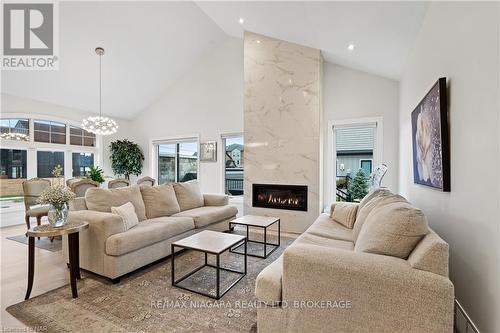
(266, 254)
(217, 267)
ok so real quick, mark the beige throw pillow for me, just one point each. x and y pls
(160, 200)
(344, 213)
(392, 229)
(188, 195)
(101, 199)
(128, 215)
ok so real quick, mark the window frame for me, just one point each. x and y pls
(154, 153)
(223, 138)
(50, 132)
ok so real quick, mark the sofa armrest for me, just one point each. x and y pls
(215, 199)
(387, 290)
(106, 224)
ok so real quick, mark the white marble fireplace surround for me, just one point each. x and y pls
(282, 113)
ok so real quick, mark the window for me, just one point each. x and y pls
(13, 164)
(47, 161)
(80, 137)
(177, 161)
(82, 163)
(233, 167)
(366, 166)
(15, 129)
(50, 131)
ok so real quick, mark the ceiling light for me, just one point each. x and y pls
(241, 20)
(98, 124)
(258, 41)
(351, 47)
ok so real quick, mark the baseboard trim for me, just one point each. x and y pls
(462, 321)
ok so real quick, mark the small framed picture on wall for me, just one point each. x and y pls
(208, 151)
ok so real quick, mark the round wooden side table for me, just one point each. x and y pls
(70, 229)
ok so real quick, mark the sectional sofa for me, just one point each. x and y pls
(166, 213)
(389, 273)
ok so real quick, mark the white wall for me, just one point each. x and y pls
(461, 42)
(14, 105)
(351, 94)
(207, 101)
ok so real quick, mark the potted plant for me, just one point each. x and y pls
(57, 196)
(96, 174)
(126, 158)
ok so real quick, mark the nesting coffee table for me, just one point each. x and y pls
(214, 243)
(262, 222)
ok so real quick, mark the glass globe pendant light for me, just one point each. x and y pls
(98, 124)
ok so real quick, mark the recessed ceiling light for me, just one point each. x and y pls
(258, 41)
(351, 47)
(241, 20)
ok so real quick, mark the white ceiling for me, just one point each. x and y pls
(151, 44)
(383, 32)
(148, 46)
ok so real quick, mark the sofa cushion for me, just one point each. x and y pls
(344, 213)
(393, 229)
(324, 226)
(128, 215)
(159, 200)
(188, 195)
(204, 216)
(268, 283)
(372, 194)
(146, 233)
(326, 242)
(431, 255)
(101, 199)
(383, 197)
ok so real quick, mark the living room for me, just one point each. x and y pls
(250, 166)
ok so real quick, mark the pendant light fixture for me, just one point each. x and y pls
(98, 124)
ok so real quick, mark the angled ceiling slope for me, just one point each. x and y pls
(148, 46)
(383, 32)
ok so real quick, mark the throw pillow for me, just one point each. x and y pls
(159, 200)
(101, 199)
(128, 215)
(188, 195)
(344, 213)
(393, 229)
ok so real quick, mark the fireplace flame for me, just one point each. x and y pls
(283, 201)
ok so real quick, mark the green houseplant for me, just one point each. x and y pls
(126, 158)
(96, 174)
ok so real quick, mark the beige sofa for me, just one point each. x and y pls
(408, 291)
(166, 213)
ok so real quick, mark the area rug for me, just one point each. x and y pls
(145, 301)
(42, 243)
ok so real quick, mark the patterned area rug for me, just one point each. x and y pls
(146, 302)
(42, 243)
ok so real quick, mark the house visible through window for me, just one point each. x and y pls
(15, 129)
(50, 131)
(82, 163)
(233, 167)
(47, 161)
(177, 161)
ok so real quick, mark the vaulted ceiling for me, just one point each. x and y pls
(151, 44)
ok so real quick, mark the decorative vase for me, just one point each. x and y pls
(58, 215)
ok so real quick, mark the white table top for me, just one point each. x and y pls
(210, 241)
(255, 220)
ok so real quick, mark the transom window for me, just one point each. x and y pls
(15, 129)
(50, 131)
(80, 137)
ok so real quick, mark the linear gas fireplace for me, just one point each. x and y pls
(292, 197)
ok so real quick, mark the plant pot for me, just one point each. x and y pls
(58, 215)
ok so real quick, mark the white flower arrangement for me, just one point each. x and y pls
(56, 195)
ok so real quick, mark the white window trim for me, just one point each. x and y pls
(32, 147)
(153, 151)
(222, 157)
(331, 155)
